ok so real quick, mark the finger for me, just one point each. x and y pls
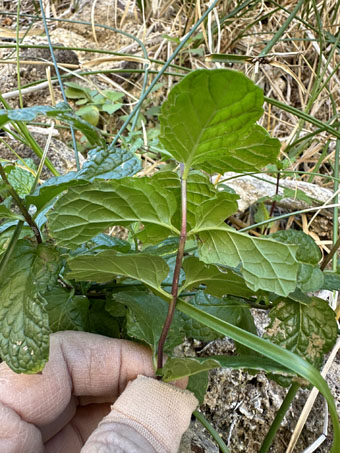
(73, 436)
(80, 363)
(17, 435)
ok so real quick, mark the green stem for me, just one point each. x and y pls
(61, 86)
(279, 417)
(30, 140)
(283, 216)
(214, 434)
(281, 30)
(177, 270)
(95, 50)
(303, 115)
(336, 209)
(21, 206)
(18, 55)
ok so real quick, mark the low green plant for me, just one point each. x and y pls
(93, 102)
(183, 272)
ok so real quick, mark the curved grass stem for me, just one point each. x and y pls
(279, 417)
(214, 434)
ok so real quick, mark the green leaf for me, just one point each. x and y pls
(201, 191)
(146, 317)
(113, 95)
(179, 367)
(310, 278)
(308, 252)
(152, 234)
(101, 322)
(103, 267)
(246, 323)
(229, 309)
(110, 108)
(297, 194)
(215, 211)
(110, 163)
(74, 91)
(66, 311)
(167, 247)
(4, 192)
(265, 263)
(89, 113)
(82, 101)
(171, 262)
(252, 152)
(88, 210)
(6, 235)
(24, 327)
(25, 114)
(212, 113)
(272, 351)
(198, 384)
(21, 180)
(331, 281)
(61, 112)
(105, 241)
(6, 213)
(309, 329)
(218, 282)
(202, 198)
(230, 58)
(92, 133)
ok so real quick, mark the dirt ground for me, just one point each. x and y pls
(240, 406)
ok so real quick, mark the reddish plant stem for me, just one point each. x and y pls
(177, 270)
(276, 192)
(330, 255)
(274, 202)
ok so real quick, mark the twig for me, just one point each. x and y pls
(276, 193)
(330, 255)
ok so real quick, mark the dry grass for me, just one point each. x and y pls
(301, 69)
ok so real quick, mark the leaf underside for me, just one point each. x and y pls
(265, 263)
(85, 211)
(204, 120)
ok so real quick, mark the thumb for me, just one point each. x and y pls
(149, 416)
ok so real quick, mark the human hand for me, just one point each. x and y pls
(57, 410)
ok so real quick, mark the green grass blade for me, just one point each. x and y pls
(281, 30)
(304, 116)
(274, 352)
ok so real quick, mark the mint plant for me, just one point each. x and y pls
(92, 102)
(186, 273)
